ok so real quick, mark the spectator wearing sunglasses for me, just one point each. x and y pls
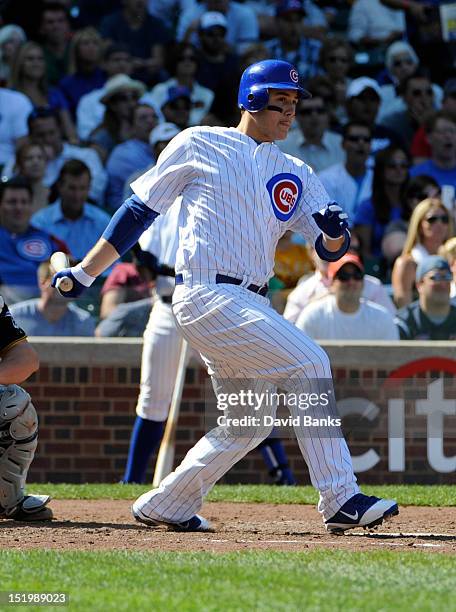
(182, 64)
(177, 106)
(349, 183)
(401, 61)
(391, 173)
(362, 104)
(336, 61)
(430, 226)
(432, 316)
(344, 314)
(313, 142)
(317, 285)
(120, 99)
(418, 95)
(441, 134)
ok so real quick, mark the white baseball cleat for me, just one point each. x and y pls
(30, 508)
(362, 511)
(195, 523)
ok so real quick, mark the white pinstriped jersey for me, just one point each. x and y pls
(239, 197)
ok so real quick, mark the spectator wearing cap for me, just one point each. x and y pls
(133, 154)
(344, 314)
(372, 26)
(432, 316)
(317, 285)
(313, 142)
(362, 104)
(44, 128)
(143, 34)
(120, 99)
(291, 45)
(182, 63)
(441, 135)
(177, 106)
(350, 182)
(85, 72)
(401, 61)
(218, 67)
(90, 110)
(417, 93)
(241, 22)
(159, 137)
(51, 314)
(13, 122)
(24, 246)
(72, 218)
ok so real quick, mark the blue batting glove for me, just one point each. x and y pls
(332, 220)
(66, 275)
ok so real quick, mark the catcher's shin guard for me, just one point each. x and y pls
(18, 442)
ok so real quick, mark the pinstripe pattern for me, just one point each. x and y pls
(227, 225)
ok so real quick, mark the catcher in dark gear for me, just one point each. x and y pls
(18, 424)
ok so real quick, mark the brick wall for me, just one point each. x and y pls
(85, 393)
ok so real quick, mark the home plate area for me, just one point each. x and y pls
(108, 525)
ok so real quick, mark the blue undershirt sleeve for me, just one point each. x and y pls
(128, 223)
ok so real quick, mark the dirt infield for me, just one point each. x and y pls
(108, 525)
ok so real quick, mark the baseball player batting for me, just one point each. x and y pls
(160, 360)
(240, 193)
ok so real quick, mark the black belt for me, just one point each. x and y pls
(166, 299)
(229, 280)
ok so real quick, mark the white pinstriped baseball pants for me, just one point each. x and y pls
(241, 337)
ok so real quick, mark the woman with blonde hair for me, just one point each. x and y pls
(12, 37)
(448, 250)
(430, 226)
(84, 74)
(29, 77)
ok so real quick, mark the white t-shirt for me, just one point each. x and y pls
(14, 111)
(316, 286)
(323, 320)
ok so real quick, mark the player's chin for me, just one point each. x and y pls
(282, 131)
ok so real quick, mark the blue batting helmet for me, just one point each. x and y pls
(258, 78)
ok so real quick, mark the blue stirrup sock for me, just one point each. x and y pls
(145, 437)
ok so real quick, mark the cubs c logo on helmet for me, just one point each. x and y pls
(285, 191)
(294, 75)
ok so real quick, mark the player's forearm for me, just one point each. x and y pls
(18, 364)
(99, 258)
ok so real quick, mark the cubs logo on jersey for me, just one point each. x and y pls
(285, 191)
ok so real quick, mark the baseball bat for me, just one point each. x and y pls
(165, 457)
(59, 261)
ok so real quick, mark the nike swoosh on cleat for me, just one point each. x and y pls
(354, 517)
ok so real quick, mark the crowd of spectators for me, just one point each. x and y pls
(91, 93)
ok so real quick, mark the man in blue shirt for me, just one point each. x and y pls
(133, 154)
(23, 246)
(71, 218)
(441, 133)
